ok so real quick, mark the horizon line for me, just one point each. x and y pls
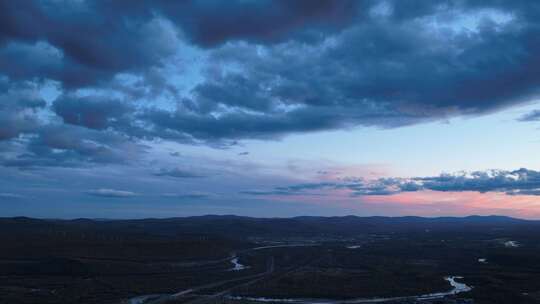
(261, 217)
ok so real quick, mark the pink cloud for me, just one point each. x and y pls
(433, 203)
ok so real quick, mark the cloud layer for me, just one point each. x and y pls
(517, 182)
(86, 84)
(112, 193)
(288, 67)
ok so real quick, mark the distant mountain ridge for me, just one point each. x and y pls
(232, 226)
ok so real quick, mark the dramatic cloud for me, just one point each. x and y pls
(112, 193)
(517, 182)
(522, 181)
(261, 21)
(72, 146)
(87, 84)
(59, 40)
(397, 69)
(18, 105)
(288, 67)
(91, 112)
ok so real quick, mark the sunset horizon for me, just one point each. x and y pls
(267, 108)
(269, 151)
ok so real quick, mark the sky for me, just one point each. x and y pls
(122, 109)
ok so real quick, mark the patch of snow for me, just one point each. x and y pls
(143, 299)
(281, 246)
(237, 266)
(511, 244)
(181, 293)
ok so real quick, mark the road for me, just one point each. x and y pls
(164, 298)
(269, 271)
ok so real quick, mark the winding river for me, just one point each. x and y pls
(456, 288)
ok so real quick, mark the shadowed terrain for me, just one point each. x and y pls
(239, 259)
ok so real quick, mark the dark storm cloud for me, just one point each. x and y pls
(77, 42)
(92, 112)
(73, 146)
(43, 143)
(242, 124)
(390, 82)
(19, 96)
(18, 103)
(387, 73)
(12, 124)
(177, 173)
(270, 68)
(264, 21)
(517, 182)
(87, 42)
